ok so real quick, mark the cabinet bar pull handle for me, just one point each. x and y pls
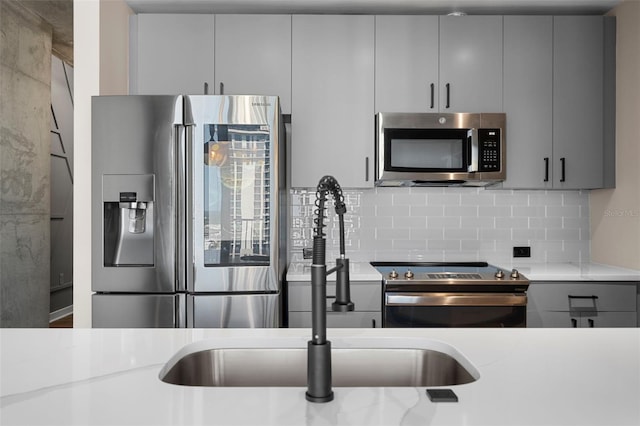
(583, 297)
(221, 88)
(546, 169)
(448, 95)
(433, 95)
(366, 169)
(574, 323)
(562, 169)
(591, 323)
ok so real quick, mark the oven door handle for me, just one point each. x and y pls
(455, 299)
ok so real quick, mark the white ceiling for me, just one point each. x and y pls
(432, 7)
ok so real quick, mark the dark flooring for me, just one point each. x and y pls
(64, 322)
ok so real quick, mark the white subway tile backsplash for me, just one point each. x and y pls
(420, 245)
(427, 211)
(406, 198)
(563, 211)
(461, 234)
(495, 234)
(427, 234)
(512, 222)
(452, 199)
(477, 222)
(443, 222)
(432, 224)
(494, 211)
(461, 211)
(411, 222)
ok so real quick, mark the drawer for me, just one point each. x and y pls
(554, 296)
(338, 319)
(558, 319)
(366, 295)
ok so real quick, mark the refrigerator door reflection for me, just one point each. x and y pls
(236, 185)
(234, 311)
(236, 195)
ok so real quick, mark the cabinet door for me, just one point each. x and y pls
(406, 63)
(338, 319)
(565, 319)
(332, 99)
(609, 319)
(173, 54)
(578, 80)
(471, 63)
(253, 56)
(366, 295)
(552, 319)
(528, 99)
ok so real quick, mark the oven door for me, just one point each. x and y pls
(455, 310)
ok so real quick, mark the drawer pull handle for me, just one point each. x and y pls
(574, 323)
(591, 323)
(583, 297)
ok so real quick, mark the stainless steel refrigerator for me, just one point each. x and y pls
(188, 217)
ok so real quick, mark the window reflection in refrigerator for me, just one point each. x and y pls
(236, 195)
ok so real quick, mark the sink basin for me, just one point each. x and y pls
(351, 367)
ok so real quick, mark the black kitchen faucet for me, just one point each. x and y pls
(319, 348)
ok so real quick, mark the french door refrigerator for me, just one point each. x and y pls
(188, 217)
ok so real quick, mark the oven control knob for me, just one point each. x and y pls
(499, 275)
(393, 274)
(515, 274)
(408, 275)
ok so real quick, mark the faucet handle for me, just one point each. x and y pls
(343, 301)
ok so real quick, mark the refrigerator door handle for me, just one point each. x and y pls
(182, 191)
(187, 207)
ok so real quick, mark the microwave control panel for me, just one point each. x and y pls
(489, 150)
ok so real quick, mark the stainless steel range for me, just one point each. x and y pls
(445, 294)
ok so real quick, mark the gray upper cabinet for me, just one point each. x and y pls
(332, 99)
(558, 72)
(438, 64)
(253, 56)
(528, 100)
(407, 63)
(171, 54)
(470, 64)
(578, 102)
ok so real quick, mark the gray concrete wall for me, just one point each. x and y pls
(25, 111)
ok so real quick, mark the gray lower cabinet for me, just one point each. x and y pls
(366, 296)
(582, 304)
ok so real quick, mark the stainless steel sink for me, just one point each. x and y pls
(351, 367)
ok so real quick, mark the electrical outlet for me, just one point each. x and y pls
(307, 253)
(524, 251)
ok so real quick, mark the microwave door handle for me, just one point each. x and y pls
(472, 152)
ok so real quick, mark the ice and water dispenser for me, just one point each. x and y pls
(128, 202)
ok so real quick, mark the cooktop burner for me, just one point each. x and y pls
(441, 276)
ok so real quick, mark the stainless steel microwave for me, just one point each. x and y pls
(432, 149)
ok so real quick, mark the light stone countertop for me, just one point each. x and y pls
(526, 377)
(363, 271)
